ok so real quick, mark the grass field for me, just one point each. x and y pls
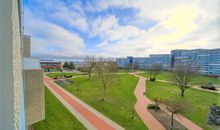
(57, 117)
(197, 80)
(57, 74)
(199, 101)
(119, 102)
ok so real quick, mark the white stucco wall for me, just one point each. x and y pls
(11, 89)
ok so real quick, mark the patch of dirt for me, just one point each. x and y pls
(165, 120)
(64, 82)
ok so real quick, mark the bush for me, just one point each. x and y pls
(68, 76)
(55, 77)
(152, 79)
(153, 106)
(209, 86)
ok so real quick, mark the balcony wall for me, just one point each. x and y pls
(34, 96)
(34, 92)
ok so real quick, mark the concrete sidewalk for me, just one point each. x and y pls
(192, 86)
(89, 117)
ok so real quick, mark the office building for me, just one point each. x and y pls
(139, 62)
(206, 61)
(51, 65)
(145, 62)
(163, 59)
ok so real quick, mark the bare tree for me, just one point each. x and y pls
(136, 66)
(89, 63)
(128, 67)
(174, 106)
(106, 75)
(99, 66)
(182, 76)
(154, 70)
(113, 66)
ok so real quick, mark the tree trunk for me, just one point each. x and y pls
(89, 75)
(182, 93)
(171, 120)
(104, 93)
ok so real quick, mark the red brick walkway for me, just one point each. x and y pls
(90, 116)
(149, 120)
(142, 101)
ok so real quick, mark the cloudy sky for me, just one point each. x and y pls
(120, 28)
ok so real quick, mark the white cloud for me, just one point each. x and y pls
(157, 9)
(118, 40)
(181, 25)
(51, 39)
(70, 14)
(71, 18)
(102, 25)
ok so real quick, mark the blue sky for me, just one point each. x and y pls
(119, 28)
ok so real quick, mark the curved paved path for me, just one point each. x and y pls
(149, 120)
(193, 86)
(142, 101)
(88, 116)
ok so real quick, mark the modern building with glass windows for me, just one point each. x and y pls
(163, 59)
(145, 62)
(140, 62)
(206, 61)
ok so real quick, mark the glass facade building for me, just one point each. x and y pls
(145, 62)
(163, 59)
(141, 62)
(206, 61)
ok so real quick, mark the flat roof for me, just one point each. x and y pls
(31, 64)
(50, 62)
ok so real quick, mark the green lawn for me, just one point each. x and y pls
(124, 71)
(119, 101)
(202, 79)
(199, 100)
(197, 80)
(57, 117)
(53, 75)
(161, 75)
